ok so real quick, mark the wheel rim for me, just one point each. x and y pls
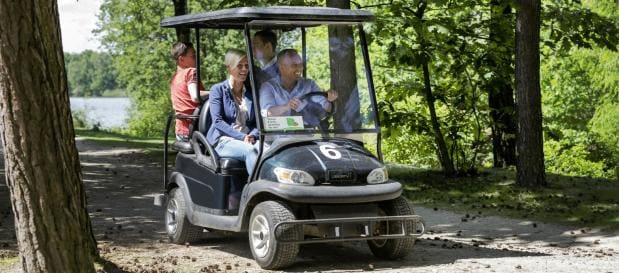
(171, 217)
(260, 236)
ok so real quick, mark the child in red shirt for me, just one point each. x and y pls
(183, 87)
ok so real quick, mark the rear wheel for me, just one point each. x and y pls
(394, 248)
(268, 252)
(178, 227)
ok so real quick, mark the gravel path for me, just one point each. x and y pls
(120, 183)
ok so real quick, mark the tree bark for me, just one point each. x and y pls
(343, 72)
(500, 88)
(443, 155)
(180, 8)
(530, 150)
(42, 165)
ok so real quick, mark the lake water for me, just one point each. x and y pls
(108, 112)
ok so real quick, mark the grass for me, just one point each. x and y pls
(150, 145)
(576, 201)
(8, 260)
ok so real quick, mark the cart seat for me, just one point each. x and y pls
(231, 165)
(182, 146)
(226, 165)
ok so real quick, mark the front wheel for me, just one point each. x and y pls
(394, 248)
(268, 252)
(178, 227)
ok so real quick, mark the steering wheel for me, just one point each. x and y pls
(324, 122)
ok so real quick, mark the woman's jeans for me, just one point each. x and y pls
(239, 150)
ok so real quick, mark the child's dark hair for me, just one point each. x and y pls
(180, 49)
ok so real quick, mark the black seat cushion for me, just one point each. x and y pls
(231, 165)
(183, 147)
(205, 121)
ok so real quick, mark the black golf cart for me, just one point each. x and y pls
(313, 182)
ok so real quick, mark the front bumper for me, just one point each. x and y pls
(354, 229)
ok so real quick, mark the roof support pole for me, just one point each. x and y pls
(198, 64)
(256, 97)
(368, 75)
(304, 49)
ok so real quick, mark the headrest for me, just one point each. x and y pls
(204, 122)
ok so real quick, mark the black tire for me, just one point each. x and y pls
(394, 248)
(178, 227)
(267, 251)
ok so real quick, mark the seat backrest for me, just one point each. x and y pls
(194, 122)
(205, 121)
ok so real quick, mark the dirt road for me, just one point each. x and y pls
(120, 183)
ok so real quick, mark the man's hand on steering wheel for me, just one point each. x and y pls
(331, 95)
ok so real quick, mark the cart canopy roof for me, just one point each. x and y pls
(274, 17)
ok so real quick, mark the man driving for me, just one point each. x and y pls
(281, 95)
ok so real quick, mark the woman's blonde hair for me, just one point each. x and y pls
(233, 57)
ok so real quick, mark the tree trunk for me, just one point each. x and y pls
(42, 165)
(180, 8)
(500, 90)
(343, 72)
(530, 151)
(443, 155)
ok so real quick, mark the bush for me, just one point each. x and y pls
(411, 149)
(79, 119)
(574, 154)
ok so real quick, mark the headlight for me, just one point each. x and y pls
(294, 177)
(378, 175)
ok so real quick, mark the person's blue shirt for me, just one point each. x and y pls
(268, 72)
(272, 93)
(223, 114)
(271, 69)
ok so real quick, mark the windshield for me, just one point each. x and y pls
(322, 89)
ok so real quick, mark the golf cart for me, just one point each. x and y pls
(313, 182)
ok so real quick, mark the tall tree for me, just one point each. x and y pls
(42, 165)
(443, 154)
(500, 87)
(344, 72)
(180, 8)
(530, 149)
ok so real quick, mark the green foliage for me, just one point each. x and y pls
(130, 31)
(91, 74)
(411, 149)
(580, 86)
(605, 127)
(79, 119)
(570, 24)
(574, 154)
(580, 99)
(447, 36)
(575, 85)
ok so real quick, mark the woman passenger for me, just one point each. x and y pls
(233, 132)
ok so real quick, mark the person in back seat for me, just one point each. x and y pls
(233, 132)
(264, 46)
(183, 87)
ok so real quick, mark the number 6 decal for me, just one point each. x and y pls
(329, 151)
